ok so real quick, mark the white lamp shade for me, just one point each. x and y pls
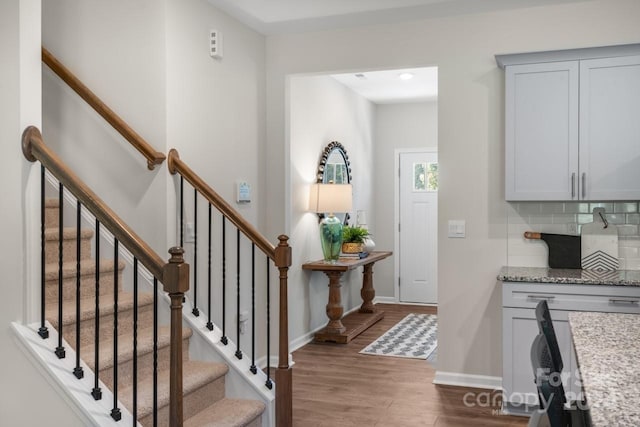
(330, 198)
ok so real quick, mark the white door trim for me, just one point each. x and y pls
(396, 212)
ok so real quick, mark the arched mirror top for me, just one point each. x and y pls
(334, 165)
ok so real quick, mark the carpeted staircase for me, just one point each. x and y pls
(205, 403)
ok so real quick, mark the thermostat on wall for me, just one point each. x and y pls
(243, 192)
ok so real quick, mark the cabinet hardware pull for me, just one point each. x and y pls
(541, 297)
(584, 185)
(573, 185)
(620, 301)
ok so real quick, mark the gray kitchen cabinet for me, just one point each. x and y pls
(571, 127)
(610, 128)
(519, 328)
(541, 117)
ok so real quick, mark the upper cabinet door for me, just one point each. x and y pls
(610, 128)
(541, 115)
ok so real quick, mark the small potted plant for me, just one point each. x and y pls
(353, 239)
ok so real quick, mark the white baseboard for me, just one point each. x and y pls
(308, 337)
(385, 300)
(467, 380)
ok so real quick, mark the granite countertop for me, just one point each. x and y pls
(608, 353)
(569, 276)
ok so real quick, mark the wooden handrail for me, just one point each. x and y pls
(174, 274)
(281, 257)
(178, 166)
(34, 148)
(153, 157)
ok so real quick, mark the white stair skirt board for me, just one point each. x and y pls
(467, 380)
(59, 373)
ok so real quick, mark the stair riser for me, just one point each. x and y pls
(194, 402)
(68, 250)
(87, 327)
(51, 216)
(87, 287)
(145, 366)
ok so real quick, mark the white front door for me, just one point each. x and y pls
(418, 230)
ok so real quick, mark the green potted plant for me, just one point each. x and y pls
(353, 239)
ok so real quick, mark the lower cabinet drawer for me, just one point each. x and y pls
(610, 299)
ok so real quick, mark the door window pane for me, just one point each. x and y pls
(425, 177)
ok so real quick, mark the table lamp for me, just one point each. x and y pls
(330, 199)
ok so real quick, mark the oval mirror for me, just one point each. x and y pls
(334, 167)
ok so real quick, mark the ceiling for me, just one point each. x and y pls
(289, 16)
(387, 87)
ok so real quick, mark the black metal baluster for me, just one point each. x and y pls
(155, 352)
(97, 392)
(209, 323)
(135, 341)
(181, 211)
(43, 331)
(269, 383)
(238, 351)
(115, 411)
(78, 371)
(195, 310)
(60, 349)
(224, 338)
(253, 368)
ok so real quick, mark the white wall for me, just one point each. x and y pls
(23, 388)
(117, 49)
(398, 126)
(323, 110)
(470, 134)
(215, 119)
(215, 107)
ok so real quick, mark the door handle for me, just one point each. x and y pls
(541, 297)
(584, 185)
(573, 185)
(623, 301)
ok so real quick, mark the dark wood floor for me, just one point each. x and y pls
(335, 386)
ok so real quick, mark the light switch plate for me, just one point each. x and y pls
(457, 228)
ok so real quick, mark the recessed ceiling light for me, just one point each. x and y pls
(405, 76)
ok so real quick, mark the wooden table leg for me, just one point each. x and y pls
(334, 307)
(367, 292)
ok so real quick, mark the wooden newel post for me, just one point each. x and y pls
(284, 400)
(176, 283)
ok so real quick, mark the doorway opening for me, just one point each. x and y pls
(373, 114)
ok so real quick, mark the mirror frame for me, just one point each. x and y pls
(330, 148)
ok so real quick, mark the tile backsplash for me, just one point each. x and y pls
(567, 218)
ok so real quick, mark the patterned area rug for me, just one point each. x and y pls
(413, 337)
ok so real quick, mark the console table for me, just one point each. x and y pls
(342, 330)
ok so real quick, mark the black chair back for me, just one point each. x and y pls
(545, 326)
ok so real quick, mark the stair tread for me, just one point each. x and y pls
(125, 346)
(195, 374)
(68, 233)
(87, 266)
(87, 307)
(227, 413)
